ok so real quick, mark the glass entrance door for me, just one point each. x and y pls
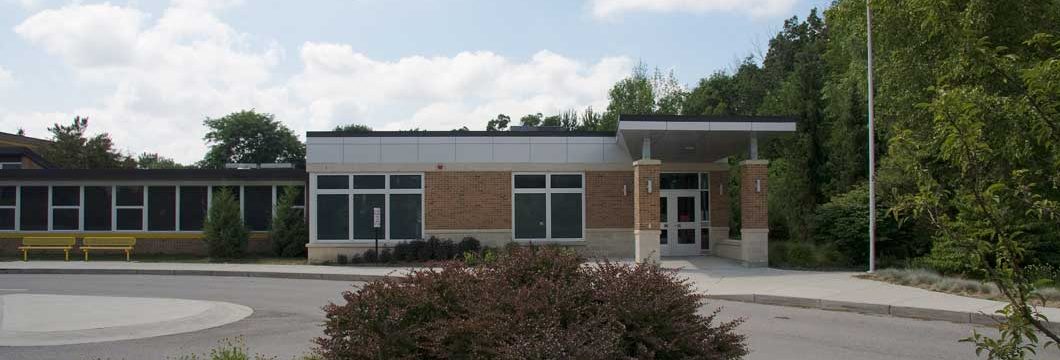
(679, 223)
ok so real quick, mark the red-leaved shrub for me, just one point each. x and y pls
(531, 303)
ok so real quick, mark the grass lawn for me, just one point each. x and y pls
(930, 280)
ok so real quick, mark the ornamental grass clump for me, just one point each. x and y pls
(529, 303)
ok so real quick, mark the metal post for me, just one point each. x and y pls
(872, 144)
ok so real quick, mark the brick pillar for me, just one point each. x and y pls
(720, 211)
(646, 210)
(754, 212)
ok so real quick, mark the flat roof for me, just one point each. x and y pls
(706, 118)
(459, 133)
(154, 174)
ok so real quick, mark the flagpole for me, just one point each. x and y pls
(872, 144)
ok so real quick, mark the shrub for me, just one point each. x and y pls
(529, 303)
(224, 232)
(386, 255)
(341, 259)
(468, 244)
(371, 256)
(843, 223)
(289, 233)
(805, 255)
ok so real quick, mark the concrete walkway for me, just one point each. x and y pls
(719, 278)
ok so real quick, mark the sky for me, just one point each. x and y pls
(149, 72)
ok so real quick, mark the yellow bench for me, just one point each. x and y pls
(46, 243)
(108, 243)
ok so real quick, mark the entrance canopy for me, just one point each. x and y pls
(674, 138)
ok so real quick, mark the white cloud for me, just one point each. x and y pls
(163, 75)
(611, 8)
(6, 79)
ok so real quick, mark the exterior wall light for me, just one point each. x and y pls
(649, 186)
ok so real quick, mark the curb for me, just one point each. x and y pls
(961, 317)
(259, 274)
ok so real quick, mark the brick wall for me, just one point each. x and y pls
(754, 210)
(720, 211)
(468, 200)
(605, 204)
(646, 205)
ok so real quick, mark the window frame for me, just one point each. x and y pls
(114, 207)
(386, 191)
(548, 190)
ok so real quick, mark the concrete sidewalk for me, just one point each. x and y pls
(719, 278)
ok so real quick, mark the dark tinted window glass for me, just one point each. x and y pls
(405, 182)
(65, 219)
(33, 209)
(97, 208)
(11, 166)
(162, 208)
(363, 215)
(7, 195)
(405, 220)
(130, 219)
(298, 201)
(258, 212)
(566, 181)
(192, 207)
(333, 182)
(66, 195)
(679, 181)
(369, 181)
(233, 189)
(7, 219)
(704, 205)
(130, 196)
(529, 216)
(530, 181)
(704, 181)
(566, 216)
(333, 218)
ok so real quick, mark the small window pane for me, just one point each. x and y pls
(66, 195)
(405, 217)
(529, 181)
(7, 195)
(704, 205)
(130, 219)
(193, 205)
(161, 208)
(10, 166)
(130, 196)
(7, 219)
(679, 181)
(405, 182)
(363, 216)
(298, 201)
(369, 181)
(704, 181)
(33, 208)
(529, 216)
(566, 216)
(66, 219)
(664, 217)
(333, 217)
(97, 208)
(566, 181)
(333, 182)
(258, 212)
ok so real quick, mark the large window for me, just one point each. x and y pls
(258, 207)
(98, 202)
(193, 206)
(8, 203)
(548, 206)
(399, 198)
(66, 208)
(161, 208)
(33, 208)
(129, 208)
